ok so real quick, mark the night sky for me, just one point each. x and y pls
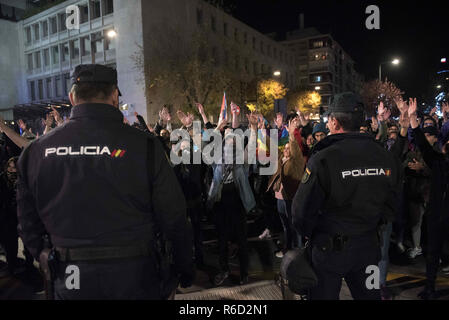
(414, 31)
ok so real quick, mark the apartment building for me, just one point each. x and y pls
(323, 65)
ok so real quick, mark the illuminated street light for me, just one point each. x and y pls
(112, 34)
(277, 73)
(317, 88)
(439, 86)
(443, 60)
(394, 62)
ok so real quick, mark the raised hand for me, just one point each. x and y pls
(292, 124)
(200, 108)
(416, 165)
(433, 111)
(383, 113)
(164, 115)
(413, 107)
(49, 120)
(186, 119)
(57, 116)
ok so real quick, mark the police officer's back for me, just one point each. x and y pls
(349, 187)
(101, 189)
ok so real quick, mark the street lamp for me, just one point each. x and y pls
(394, 62)
(112, 34)
(277, 73)
(439, 86)
(317, 88)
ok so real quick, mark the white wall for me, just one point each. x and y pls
(11, 83)
(128, 25)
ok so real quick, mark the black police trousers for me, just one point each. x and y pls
(119, 279)
(350, 264)
(437, 234)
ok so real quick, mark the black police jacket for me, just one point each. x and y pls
(97, 182)
(350, 184)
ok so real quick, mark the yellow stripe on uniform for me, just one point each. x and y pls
(117, 154)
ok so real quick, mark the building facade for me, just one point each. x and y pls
(44, 52)
(48, 51)
(11, 72)
(323, 65)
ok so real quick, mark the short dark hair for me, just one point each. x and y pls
(92, 90)
(431, 119)
(349, 121)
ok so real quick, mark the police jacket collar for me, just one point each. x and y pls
(96, 110)
(330, 140)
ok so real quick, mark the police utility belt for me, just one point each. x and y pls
(101, 253)
(328, 243)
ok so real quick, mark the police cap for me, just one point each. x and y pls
(346, 102)
(95, 73)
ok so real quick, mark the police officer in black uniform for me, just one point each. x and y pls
(101, 190)
(349, 187)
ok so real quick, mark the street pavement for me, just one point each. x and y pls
(406, 278)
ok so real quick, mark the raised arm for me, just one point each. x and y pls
(14, 136)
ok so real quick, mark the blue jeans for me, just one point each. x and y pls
(291, 238)
(383, 263)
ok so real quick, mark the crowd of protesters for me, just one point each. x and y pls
(228, 192)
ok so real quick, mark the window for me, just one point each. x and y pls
(37, 60)
(245, 38)
(32, 92)
(255, 70)
(261, 47)
(75, 49)
(215, 55)
(53, 25)
(84, 13)
(246, 65)
(58, 86)
(48, 90)
(225, 29)
(46, 57)
(28, 34)
(199, 17)
(95, 9)
(269, 50)
(254, 43)
(213, 24)
(317, 44)
(55, 54)
(40, 89)
(275, 53)
(97, 42)
(108, 7)
(30, 62)
(45, 29)
(263, 68)
(36, 31)
(67, 83)
(237, 63)
(65, 52)
(236, 35)
(226, 58)
(62, 21)
(85, 46)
